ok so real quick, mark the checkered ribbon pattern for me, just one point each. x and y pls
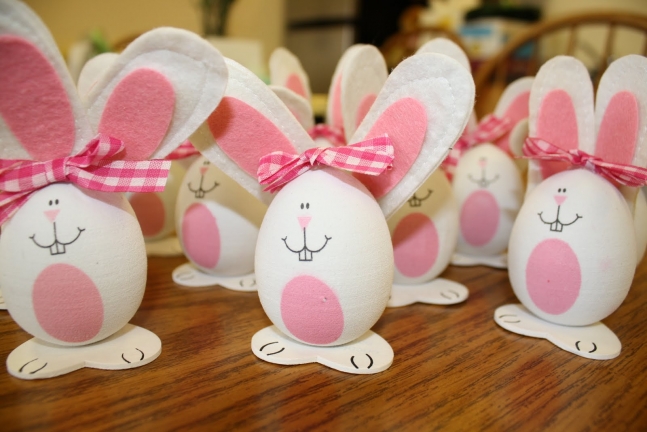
(628, 175)
(489, 129)
(95, 167)
(334, 135)
(371, 157)
(183, 151)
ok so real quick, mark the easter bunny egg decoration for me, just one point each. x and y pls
(72, 257)
(572, 248)
(324, 259)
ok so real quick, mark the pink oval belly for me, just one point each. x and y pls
(68, 305)
(150, 213)
(200, 236)
(479, 218)
(553, 276)
(415, 245)
(311, 311)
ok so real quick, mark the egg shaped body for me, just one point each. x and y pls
(72, 264)
(489, 191)
(640, 224)
(155, 211)
(324, 260)
(424, 231)
(217, 221)
(572, 252)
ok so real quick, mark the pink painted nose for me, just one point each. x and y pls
(304, 221)
(203, 170)
(51, 214)
(559, 199)
(482, 163)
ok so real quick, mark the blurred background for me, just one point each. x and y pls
(319, 31)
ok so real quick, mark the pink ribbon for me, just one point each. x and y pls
(93, 167)
(332, 134)
(489, 129)
(184, 150)
(629, 175)
(370, 157)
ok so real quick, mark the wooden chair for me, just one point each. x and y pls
(542, 39)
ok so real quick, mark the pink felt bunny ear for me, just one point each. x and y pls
(513, 105)
(157, 92)
(250, 122)
(334, 114)
(364, 72)
(298, 105)
(423, 107)
(42, 116)
(286, 71)
(621, 105)
(445, 46)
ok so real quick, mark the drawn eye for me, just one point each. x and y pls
(307, 205)
(50, 202)
(564, 189)
(206, 162)
(301, 206)
(56, 202)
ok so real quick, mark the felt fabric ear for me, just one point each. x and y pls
(334, 116)
(92, 70)
(561, 109)
(620, 120)
(41, 116)
(513, 105)
(250, 122)
(298, 105)
(157, 92)
(286, 71)
(363, 75)
(445, 46)
(423, 107)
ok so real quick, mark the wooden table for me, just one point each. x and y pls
(454, 369)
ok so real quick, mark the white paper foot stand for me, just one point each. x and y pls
(167, 247)
(190, 276)
(368, 354)
(3, 305)
(594, 341)
(497, 261)
(129, 348)
(438, 292)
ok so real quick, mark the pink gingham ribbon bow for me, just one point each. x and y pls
(331, 133)
(370, 157)
(92, 168)
(629, 175)
(184, 150)
(489, 129)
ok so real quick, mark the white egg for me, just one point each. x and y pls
(324, 260)
(424, 231)
(572, 253)
(489, 191)
(73, 264)
(217, 221)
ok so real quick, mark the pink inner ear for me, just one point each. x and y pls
(337, 120)
(407, 141)
(246, 135)
(557, 124)
(139, 112)
(363, 108)
(33, 100)
(518, 110)
(618, 132)
(294, 83)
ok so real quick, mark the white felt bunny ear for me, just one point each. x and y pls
(514, 106)
(250, 122)
(92, 70)
(286, 71)
(423, 107)
(620, 112)
(157, 92)
(299, 106)
(334, 116)
(41, 116)
(363, 74)
(445, 46)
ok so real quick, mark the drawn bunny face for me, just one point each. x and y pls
(424, 231)
(324, 260)
(72, 261)
(217, 221)
(573, 249)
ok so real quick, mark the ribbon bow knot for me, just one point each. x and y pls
(371, 157)
(94, 167)
(628, 175)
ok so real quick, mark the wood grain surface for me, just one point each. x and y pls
(454, 369)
